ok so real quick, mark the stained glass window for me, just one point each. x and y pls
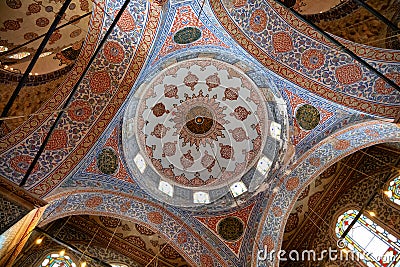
(57, 260)
(394, 191)
(374, 245)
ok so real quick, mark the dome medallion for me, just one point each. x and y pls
(200, 126)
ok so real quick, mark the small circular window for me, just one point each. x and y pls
(187, 35)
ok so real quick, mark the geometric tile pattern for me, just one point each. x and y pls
(10, 213)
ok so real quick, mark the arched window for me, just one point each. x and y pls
(57, 260)
(375, 246)
(393, 191)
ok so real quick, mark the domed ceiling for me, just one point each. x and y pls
(23, 21)
(200, 125)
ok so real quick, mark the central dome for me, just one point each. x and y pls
(198, 132)
(201, 124)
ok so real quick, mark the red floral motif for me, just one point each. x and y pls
(79, 110)
(226, 151)
(30, 35)
(160, 2)
(196, 182)
(15, 4)
(113, 52)
(136, 241)
(170, 91)
(160, 131)
(84, 5)
(191, 80)
(169, 252)
(312, 59)
(382, 87)
(100, 82)
(251, 155)
(149, 151)
(231, 93)
(55, 37)
(159, 110)
(182, 179)
(240, 113)
(208, 161)
(257, 142)
(372, 133)
(348, 74)
(169, 149)
(212, 81)
(126, 23)
(239, 134)
(58, 140)
(93, 202)
(277, 211)
(304, 193)
(11, 25)
(73, 18)
(315, 162)
(182, 238)
(168, 172)
(157, 164)
(187, 160)
(258, 128)
(258, 20)
(239, 3)
(143, 230)
(292, 222)
(155, 217)
(21, 164)
(42, 22)
(268, 243)
(34, 8)
(282, 42)
(75, 33)
(341, 144)
(292, 183)
(206, 261)
(124, 207)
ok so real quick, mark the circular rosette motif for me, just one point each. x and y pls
(313, 59)
(198, 126)
(258, 20)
